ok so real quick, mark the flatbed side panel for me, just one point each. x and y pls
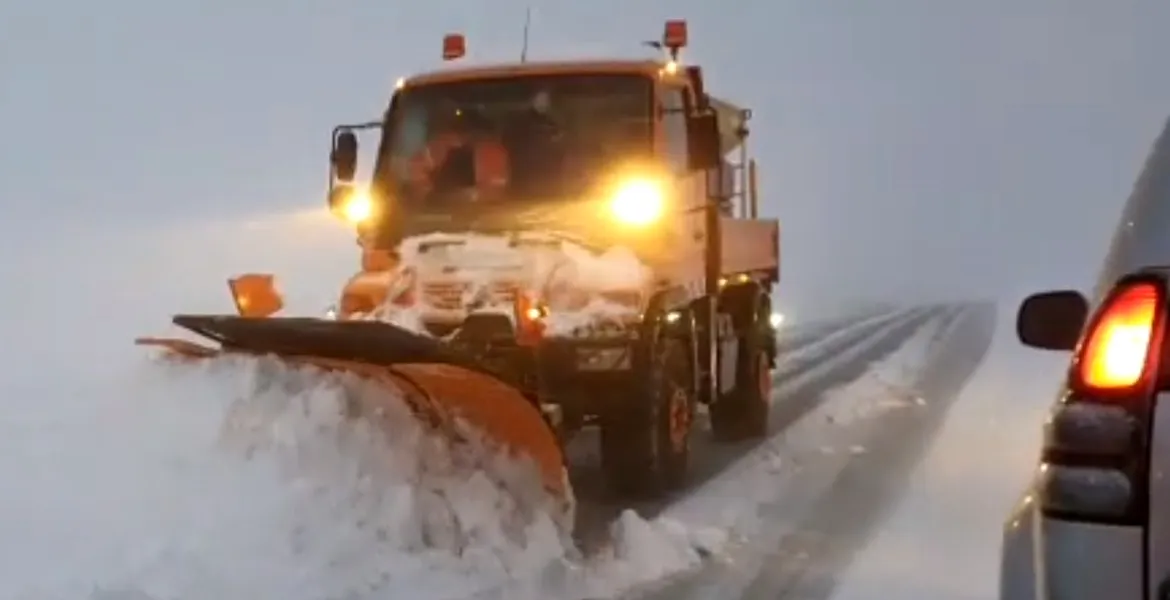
(750, 245)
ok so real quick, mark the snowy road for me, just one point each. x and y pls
(809, 533)
(808, 366)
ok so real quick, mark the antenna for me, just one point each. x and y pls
(527, 22)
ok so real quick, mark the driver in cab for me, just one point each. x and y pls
(463, 156)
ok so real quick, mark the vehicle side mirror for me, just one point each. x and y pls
(339, 196)
(703, 148)
(344, 156)
(1052, 320)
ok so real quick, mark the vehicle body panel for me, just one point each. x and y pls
(1158, 534)
(1044, 558)
(1142, 236)
(1049, 558)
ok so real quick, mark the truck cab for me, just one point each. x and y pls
(606, 153)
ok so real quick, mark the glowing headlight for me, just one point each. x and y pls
(358, 207)
(638, 202)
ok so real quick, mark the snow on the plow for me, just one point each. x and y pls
(244, 478)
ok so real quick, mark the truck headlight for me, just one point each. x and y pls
(358, 207)
(638, 202)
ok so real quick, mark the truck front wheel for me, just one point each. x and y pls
(645, 439)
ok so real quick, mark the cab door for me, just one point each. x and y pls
(686, 216)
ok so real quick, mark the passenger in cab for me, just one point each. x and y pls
(464, 157)
(491, 160)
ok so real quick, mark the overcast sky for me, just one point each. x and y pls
(911, 148)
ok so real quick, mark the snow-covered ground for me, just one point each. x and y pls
(239, 479)
(762, 497)
(942, 541)
(242, 479)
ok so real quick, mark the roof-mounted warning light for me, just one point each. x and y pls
(454, 46)
(674, 37)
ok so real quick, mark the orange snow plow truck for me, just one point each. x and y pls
(546, 246)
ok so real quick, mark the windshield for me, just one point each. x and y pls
(516, 138)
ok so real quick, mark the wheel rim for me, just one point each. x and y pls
(765, 377)
(680, 418)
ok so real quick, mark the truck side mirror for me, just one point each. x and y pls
(704, 150)
(338, 196)
(344, 156)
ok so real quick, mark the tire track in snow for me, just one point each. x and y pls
(811, 559)
(805, 335)
(804, 482)
(814, 368)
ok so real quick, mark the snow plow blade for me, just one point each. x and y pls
(438, 383)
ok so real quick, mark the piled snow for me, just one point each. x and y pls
(540, 256)
(887, 385)
(570, 277)
(641, 551)
(243, 478)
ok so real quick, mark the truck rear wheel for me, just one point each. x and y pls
(645, 440)
(742, 413)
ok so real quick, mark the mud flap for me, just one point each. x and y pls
(742, 414)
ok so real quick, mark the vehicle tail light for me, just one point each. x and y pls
(1096, 447)
(1115, 354)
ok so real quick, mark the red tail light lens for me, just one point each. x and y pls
(1095, 459)
(1116, 353)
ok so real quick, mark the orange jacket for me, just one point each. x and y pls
(492, 167)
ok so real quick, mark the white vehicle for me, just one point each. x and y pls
(1095, 522)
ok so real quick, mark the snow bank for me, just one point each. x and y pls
(888, 384)
(641, 551)
(243, 478)
(571, 278)
(730, 501)
(541, 256)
